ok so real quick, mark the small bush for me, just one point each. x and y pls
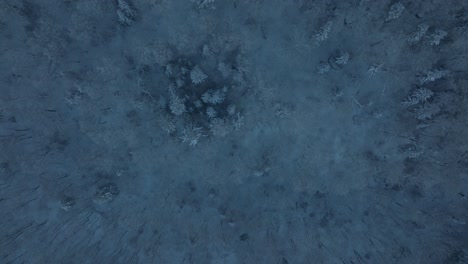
(192, 134)
(322, 33)
(211, 112)
(374, 69)
(201, 4)
(197, 75)
(437, 37)
(395, 11)
(323, 67)
(427, 111)
(238, 122)
(418, 35)
(177, 105)
(343, 58)
(219, 127)
(166, 124)
(214, 97)
(418, 96)
(126, 13)
(430, 76)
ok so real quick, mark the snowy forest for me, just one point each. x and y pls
(234, 131)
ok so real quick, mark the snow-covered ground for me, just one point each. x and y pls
(234, 131)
